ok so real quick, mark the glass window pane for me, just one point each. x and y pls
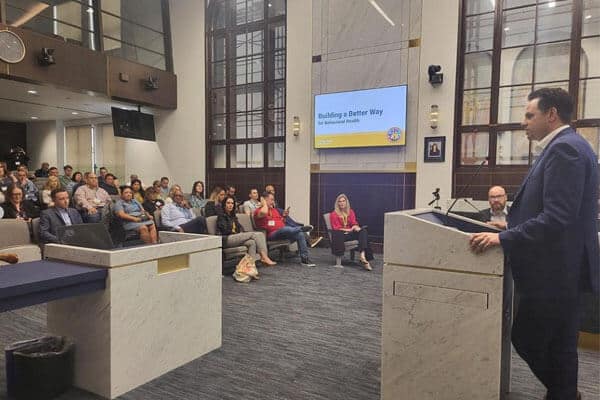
(590, 58)
(478, 70)
(255, 155)
(563, 85)
(276, 123)
(247, 155)
(276, 155)
(556, 55)
(277, 36)
(554, 23)
(249, 43)
(474, 147)
(133, 34)
(588, 98)
(249, 70)
(592, 135)
(247, 11)
(517, 3)
(516, 66)
(248, 98)
(479, 32)
(248, 125)
(151, 16)
(219, 99)
(277, 60)
(512, 102)
(219, 127)
(216, 9)
(218, 74)
(591, 17)
(276, 8)
(123, 50)
(276, 95)
(219, 156)
(219, 49)
(517, 27)
(512, 148)
(478, 6)
(476, 107)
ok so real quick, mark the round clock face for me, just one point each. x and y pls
(12, 48)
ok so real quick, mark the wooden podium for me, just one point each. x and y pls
(446, 311)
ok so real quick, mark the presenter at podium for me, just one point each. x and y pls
(551, 243)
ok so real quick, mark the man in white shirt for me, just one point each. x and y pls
(178, 216)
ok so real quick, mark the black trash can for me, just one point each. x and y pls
(39, 369)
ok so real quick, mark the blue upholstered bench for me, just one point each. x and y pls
(36, 282)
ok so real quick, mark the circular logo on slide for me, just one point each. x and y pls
(394, 134)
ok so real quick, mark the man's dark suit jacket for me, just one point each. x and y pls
(50, 220)
(551, 240)
(486, 215)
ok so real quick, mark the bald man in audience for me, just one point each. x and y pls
(496, 214)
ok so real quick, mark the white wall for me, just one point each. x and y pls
(179, 151)
(438, 46)
(42, 142)
(298, 103)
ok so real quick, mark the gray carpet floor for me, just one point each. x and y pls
(298, 333)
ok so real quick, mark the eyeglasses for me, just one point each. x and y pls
(497, 197)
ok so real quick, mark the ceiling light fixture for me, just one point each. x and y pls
(31, 91)
(552, 4)
(34, 117)
(380, 11)
(588, 16)
(506, 29)
(75, 113)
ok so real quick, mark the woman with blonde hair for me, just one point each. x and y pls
(343, 220)
(52, 183)
(213, 205)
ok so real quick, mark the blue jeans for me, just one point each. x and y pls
(293, 234)
(92, 218)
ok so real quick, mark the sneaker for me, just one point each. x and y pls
(306, 228)
(305, 261)
(315, 241)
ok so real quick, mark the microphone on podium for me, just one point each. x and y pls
(465, 188)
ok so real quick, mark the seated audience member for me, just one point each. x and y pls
(6, 178)
(152, 201)
(75, 181)
(197, 199)
(51, 184)
(53, 171)
(268, 218)
(43, 171)
(156, 185)
(174, 188)
(134, 217)
(67, 177)
(109, 184)
(9, 258)
(233, 234)
(91, 199)
(496, 214)
(345, 227)
(213, 205)
(230, 190)
(102, 174)
(30, 191)
(16, 207)
(164, 187)
(138, 190)
(81, 182)
(60, 214)
(252, 203)
(179, 216)
(289, 221)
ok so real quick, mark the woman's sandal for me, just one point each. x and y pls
(365, 264)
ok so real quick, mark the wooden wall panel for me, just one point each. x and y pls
(133, 90)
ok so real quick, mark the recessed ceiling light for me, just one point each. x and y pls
(552, 4)
(75, 113)
(34, 117)
(31, 91)
(90, 10)
(588, 16)
(506, 29)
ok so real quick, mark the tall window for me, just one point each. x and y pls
(245, 85)
(509, 48)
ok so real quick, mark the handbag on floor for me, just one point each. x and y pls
(245, 270)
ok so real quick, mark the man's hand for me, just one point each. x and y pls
(356, 228)
(498, 224)
(480, 242)
(286, 212)
(92, 210)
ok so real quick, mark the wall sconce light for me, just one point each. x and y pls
(296, 126)
(434, 114)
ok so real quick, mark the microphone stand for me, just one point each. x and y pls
(467, 187)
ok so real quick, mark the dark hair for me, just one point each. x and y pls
(141, 188)
(12, 188)
(227, 197)
(56, 191)
(109, 174)
(51, 168)
(554, 97)
(75, 174)
(124, 187)
(163, 178)
(67, 166)
(265, 194)
(103, 168)
(149, 193)
(251, 189)
(194, 189)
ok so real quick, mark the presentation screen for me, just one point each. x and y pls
(133, 124)
(361, 118)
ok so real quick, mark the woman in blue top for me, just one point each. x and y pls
(197, 199)
(134, 217)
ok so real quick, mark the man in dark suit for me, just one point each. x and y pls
(59, 215)
(551, 243)
(496, 214)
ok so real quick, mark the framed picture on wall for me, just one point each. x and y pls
(435, 149)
